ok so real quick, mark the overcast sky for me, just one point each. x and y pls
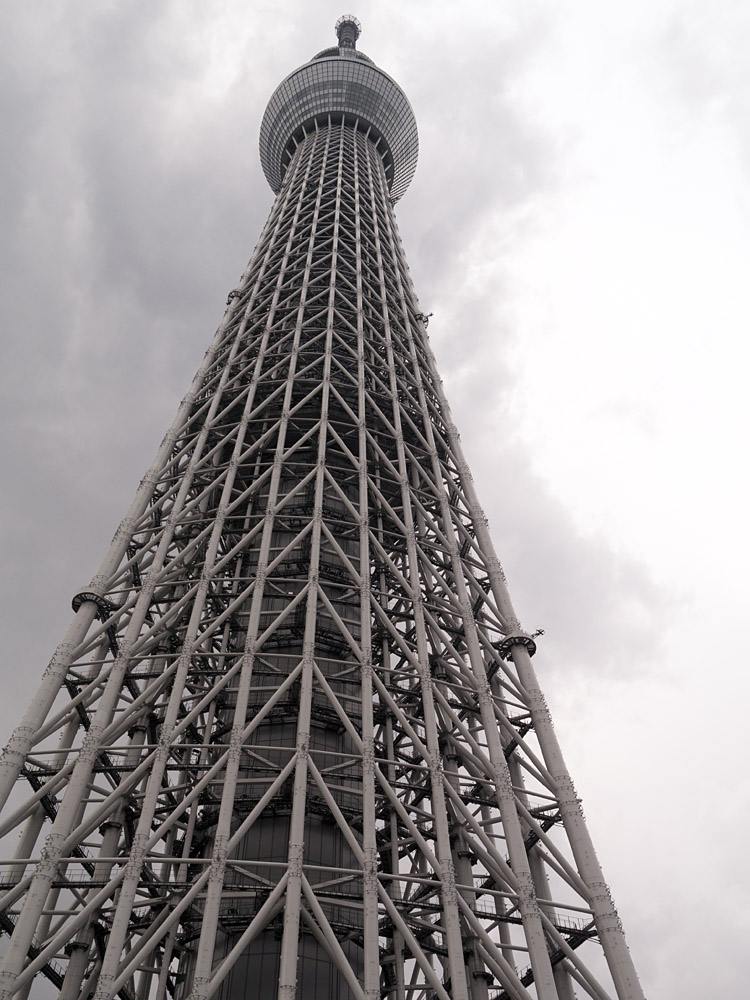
(579, 225)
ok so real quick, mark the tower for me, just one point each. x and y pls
(293, 743)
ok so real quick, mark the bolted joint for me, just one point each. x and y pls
(105, 607)
(110, 824)
(516, 639)
(72, 946)
(483, 974)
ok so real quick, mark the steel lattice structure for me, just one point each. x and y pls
(293, 743)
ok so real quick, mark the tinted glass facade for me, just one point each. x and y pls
(341, 85)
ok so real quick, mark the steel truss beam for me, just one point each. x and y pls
(294, 728)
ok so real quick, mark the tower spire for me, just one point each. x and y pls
(348, 30)
(293, 744)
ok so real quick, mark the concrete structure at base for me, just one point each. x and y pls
(293, 744)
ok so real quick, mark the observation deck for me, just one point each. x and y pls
(344, 83)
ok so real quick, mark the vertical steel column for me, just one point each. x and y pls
(447, 875)
(369, 839)
(295, 858)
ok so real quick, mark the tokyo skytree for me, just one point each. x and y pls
(292, 744)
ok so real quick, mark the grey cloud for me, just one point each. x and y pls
(598, 608)
(496, 159)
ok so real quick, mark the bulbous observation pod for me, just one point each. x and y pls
(343, 83)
